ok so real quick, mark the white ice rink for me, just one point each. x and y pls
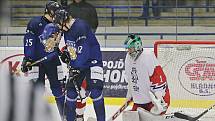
(110, 110)
(89, 112)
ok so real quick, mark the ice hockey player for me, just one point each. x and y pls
(34, 50)
(85, 60)
(147, 84)
(80, 103)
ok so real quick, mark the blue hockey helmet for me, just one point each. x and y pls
(48, 31)
(51, 7)
(60, 16)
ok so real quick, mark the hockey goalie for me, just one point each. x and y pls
(147, 85)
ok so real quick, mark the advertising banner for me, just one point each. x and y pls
(113, 61)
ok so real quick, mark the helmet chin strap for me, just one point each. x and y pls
(68, 26)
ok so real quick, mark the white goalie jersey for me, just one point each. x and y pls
(144, 75)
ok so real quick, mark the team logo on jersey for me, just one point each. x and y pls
(49, 44)
(72, 52)
(71, 49)
(94, 61)
(197, 76)
(134, 79)
(40, 24)
(80, 37)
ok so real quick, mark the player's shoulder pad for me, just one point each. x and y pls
(33, 24)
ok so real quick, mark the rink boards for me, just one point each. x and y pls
(114, 83)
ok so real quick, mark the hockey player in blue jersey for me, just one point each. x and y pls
(84, 57)
(34, 49)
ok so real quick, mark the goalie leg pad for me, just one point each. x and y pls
(146, 106)
(130, 116)
(145, 115)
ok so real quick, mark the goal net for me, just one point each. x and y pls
(190, 70)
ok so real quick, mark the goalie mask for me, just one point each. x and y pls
(134, 45)
(50, 37)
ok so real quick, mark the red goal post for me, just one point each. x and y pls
(190, 69)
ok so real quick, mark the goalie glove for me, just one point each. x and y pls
(26, 65)
(159, 104)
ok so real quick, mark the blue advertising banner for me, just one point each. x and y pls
(114, 79)
(113, 62)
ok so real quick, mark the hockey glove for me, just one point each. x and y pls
(65, 57)
(26, 65)
(56, 49)
(74, 74)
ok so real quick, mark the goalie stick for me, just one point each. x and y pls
(116, 114)
(165, 117)
(186, 117)
(120, 110)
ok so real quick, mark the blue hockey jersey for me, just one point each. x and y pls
(33, 47)
(82, 45)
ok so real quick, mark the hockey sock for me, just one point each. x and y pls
(71, 105)
(98, 103)
(59, 97)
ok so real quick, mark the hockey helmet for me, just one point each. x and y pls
(50, 37)
(51, 7)
(135, 42)
(48, 31)
(60, 17)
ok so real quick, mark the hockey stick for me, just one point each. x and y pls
(186, 117)
(145, 115)
(116, 114)
(165, 117)
(120, 110)
(76, 87)
(73, 79)
(48, 57)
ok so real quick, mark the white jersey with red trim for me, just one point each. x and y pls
(143, 75)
